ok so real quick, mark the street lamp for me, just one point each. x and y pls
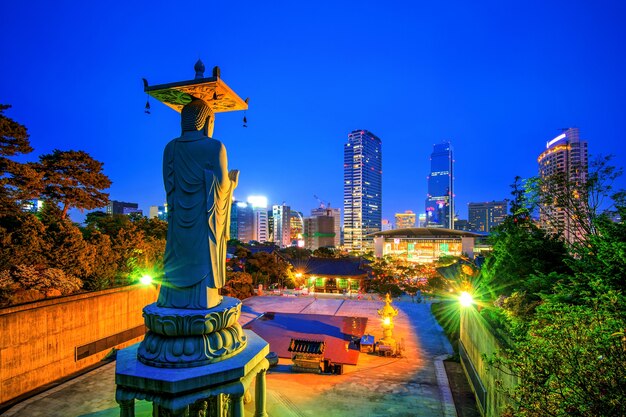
(466, 299)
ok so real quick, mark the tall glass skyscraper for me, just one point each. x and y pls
(440, 199)
(362, 189)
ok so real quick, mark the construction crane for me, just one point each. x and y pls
(322, 204)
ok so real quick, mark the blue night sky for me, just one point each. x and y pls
(498, 79)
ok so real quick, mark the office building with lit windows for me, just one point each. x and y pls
(440, 198)
(565, 155)
(483, 217)
(281, 215)
(242, 221)
(335, 213)
(260, 232)
(362, 189)
(405, 220)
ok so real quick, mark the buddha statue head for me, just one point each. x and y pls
(197, 115)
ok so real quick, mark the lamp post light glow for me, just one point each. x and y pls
(387, 313)
(466, 299)
(146, 280)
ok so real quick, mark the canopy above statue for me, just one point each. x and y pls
(212, 90)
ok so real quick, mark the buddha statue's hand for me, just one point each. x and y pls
(233, 175)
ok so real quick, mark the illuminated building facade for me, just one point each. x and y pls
(424, 244)
(282, 225)
(121, 207)
(483, 217)
(242, 221)
(405, 220)
(565, 154)
(335, 213)
(296, 228)
(362, 189)
(319, 232)
(260, 219)
(440, 199)
(328, 275)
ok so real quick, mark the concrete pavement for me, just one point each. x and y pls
(414, 385)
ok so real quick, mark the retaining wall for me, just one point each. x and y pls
(477, 338)
(47, 340)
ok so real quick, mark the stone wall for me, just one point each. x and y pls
(47, 340)
(477, 338)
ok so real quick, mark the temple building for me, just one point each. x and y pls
(330, 275)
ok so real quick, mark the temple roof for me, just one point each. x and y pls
(330, 266)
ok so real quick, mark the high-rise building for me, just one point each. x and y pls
(362, 189)
(121, 207)
(405, 220)
(242, 221)
(319, 231)
(565, 155)
(385, 225)
(282, 225)
(260, 231)
(483, 217)
(335, 213)
(440, 199)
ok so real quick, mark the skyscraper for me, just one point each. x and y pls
(282, 227)
(259, 209)
(242, 221)
(362, 189)
(566, 157)
(440, 199)
(483, 217)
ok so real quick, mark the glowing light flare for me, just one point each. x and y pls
(466, 299)
(387, 321)
(146, 280)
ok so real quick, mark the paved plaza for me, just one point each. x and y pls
(414, 385)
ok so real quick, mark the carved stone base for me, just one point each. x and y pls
(189, 351)
(184, 338)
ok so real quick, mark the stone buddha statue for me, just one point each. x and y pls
(199, 191)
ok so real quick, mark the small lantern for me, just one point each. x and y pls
(387, 313)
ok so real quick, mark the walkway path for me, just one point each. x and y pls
(410, 386)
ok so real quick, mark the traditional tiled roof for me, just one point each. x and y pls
(314, 347)
(348, 267)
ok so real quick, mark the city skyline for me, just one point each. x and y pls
(496, 80)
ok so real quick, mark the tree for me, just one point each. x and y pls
(238, 285)
(577, 200)
(74, 179)
(572, 362)
(268, 267)
(17, 181)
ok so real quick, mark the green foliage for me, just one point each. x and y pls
(17, 181)
(267, 268)
(74, 179)
(46, 255)
(572, 362)
(325, 253)
(296, 253)
(238, 285)
(562, 303)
